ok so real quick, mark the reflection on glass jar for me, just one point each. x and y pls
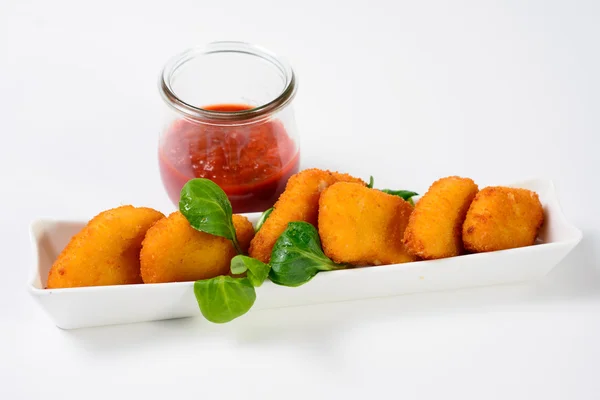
(230, 120)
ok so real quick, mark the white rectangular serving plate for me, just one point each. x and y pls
(108, 305)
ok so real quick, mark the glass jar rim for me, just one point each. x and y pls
(199, 113)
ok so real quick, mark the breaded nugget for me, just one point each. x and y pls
(502, 218)
(106, 251)
(244, 231)
(435, 226)
(363, 226)
(299, 202)
(173, 251)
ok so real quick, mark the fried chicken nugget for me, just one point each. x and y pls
(298, 202)
(173, 251)
(363, 226)
(106, 251)
(435, 226)
(502, 218)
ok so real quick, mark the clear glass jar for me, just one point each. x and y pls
(230, 119)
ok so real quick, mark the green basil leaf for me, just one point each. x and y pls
(224, 298)
(405, 194)
(263, 218)
(207, 208)
(297, 256)
(371, 182)
(257, 270)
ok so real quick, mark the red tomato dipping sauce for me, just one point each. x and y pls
(251, 162)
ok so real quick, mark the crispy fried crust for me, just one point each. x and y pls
(244, 231)
(299, 202)
(106, 251)
(502, 218)
(173, 251)
(435, 226)
(363, 226)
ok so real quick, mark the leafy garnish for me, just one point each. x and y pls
(207, 209)
(405, 194)
(297, 256)
(257, 271)
(224, 298)
(371, 182)
(263, 218)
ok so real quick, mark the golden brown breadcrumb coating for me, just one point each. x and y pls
(435, 226)
(502, 218)
(173, 251)
(363, 226)
(106, 251)
(299, 202)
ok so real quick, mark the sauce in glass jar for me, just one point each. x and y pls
(251, 163)
(245, 139)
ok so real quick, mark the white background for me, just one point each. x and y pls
(407, 91)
